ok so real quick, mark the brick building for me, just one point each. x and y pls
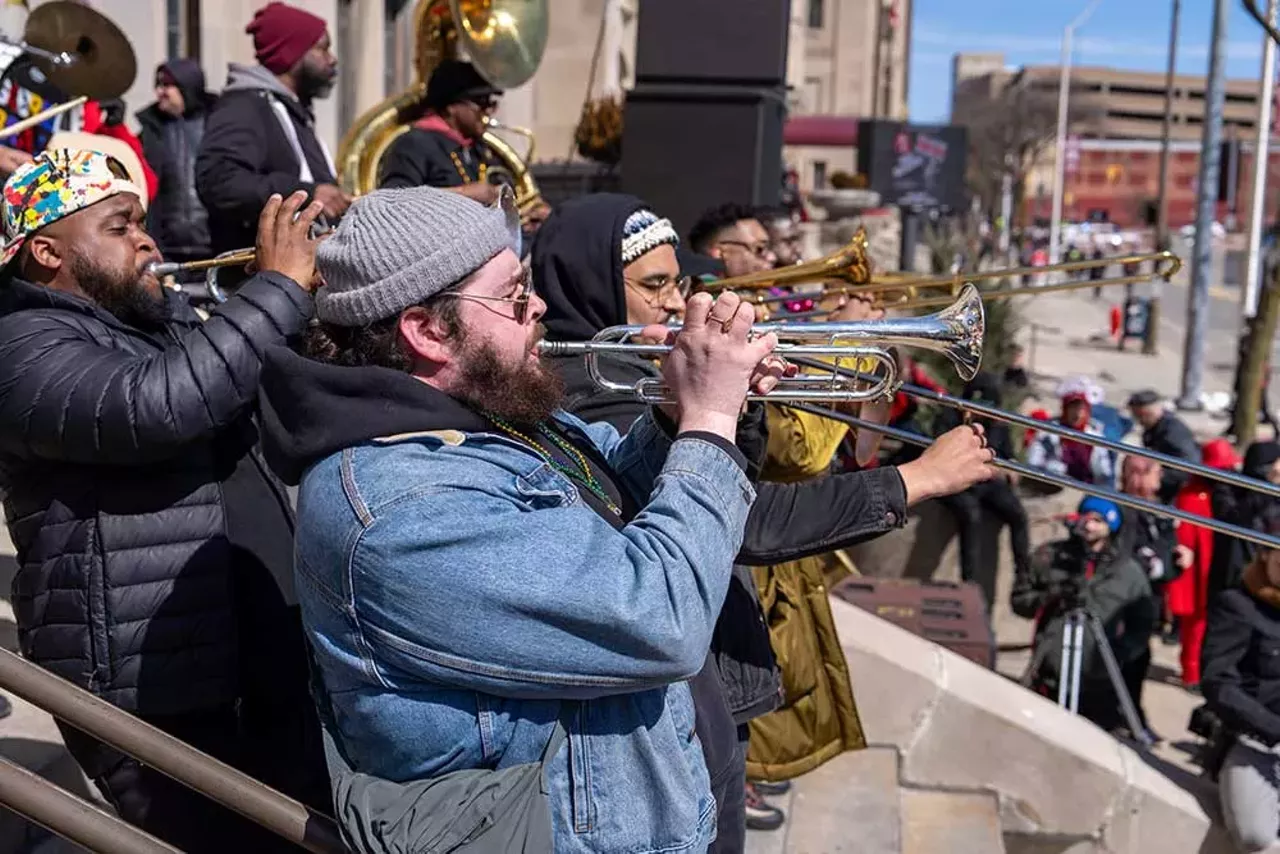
(1115, 166)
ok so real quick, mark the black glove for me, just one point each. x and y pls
(112, 112)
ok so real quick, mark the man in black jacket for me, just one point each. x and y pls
(260, 138)
(604, 260)
(444, 148)
(996, 496)
(172, 129)
(1166, 433)
(154, 549)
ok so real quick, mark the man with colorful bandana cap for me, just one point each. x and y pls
(154, 550)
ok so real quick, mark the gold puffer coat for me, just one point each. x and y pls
(819, 718)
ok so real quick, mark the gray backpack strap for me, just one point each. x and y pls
(558, 736)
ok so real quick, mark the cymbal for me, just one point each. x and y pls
(104, 66)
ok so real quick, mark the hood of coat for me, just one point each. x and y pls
(311, 410)
(241, 77)
(577, 265)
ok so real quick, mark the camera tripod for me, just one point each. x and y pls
(1073, 629)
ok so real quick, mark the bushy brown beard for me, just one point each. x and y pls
(525, 393)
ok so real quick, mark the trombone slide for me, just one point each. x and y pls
(1265, 540)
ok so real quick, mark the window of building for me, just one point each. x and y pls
(182, 28)
(811, 101)
(815, 14)
(1184, 182)
(819, 174)
(1096, 179)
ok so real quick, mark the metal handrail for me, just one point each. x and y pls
(61, 812)
(233, 789)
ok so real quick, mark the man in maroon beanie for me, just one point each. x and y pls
(261, 138)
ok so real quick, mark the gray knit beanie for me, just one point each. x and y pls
(396, 248)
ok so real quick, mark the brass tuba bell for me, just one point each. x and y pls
(504, 39)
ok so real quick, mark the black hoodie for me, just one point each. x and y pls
(1242, 507)
(176, 218)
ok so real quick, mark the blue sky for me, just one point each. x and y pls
(1122, 33)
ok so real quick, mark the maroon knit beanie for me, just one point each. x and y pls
(282, 34)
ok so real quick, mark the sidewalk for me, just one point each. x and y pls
(1069, 333)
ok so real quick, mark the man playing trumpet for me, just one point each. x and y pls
(480, 570)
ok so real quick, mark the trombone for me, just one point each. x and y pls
(956, 332)
(983, 410)
(847, 272)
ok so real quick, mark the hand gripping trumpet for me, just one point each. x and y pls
(956, 332)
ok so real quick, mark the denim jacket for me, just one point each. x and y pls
(458, 592)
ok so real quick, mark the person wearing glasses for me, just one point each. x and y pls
(605, 260)
(444, 148)
(479, 570)
(733, 234)
(154, 549)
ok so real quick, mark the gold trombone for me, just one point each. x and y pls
(847, 272)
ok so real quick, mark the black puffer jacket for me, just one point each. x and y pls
(138, 507)
(176, 218)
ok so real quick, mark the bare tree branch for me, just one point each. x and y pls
(1010, 133)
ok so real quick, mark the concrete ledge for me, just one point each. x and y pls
(1061, 783)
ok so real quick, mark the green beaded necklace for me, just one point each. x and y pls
(581, 475)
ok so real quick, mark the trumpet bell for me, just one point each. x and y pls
(956, 332)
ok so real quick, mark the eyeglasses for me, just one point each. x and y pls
(519, 302)
(657, 291)
(760, 250)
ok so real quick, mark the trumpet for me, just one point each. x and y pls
(211, 266)
(956, 332)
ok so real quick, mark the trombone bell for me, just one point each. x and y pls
(956, 332)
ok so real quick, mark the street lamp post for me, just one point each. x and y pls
(1206, 202)
(1150, 343)
(1059, 152)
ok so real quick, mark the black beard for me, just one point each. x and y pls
(313, 85)
(525, 394)
(119, 293)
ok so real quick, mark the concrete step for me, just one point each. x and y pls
(850, 804)
(950, 823)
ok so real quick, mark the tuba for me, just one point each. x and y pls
(504, 39)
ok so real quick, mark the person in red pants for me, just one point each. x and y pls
(1187, 595)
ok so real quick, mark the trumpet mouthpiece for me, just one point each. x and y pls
(160, 269)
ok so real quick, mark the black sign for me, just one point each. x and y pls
(914, 165)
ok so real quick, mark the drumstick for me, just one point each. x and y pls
(32, 121)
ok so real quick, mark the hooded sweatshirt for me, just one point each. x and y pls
(1242, 507)
(260, 139)
(176, 218)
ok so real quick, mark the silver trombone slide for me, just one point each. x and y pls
(1264, 540)
(1233, 478)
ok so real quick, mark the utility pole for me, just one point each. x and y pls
(1151, 343)
(1261, 152)
(1060, 144)
(1206, 201)
(1258, 328)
